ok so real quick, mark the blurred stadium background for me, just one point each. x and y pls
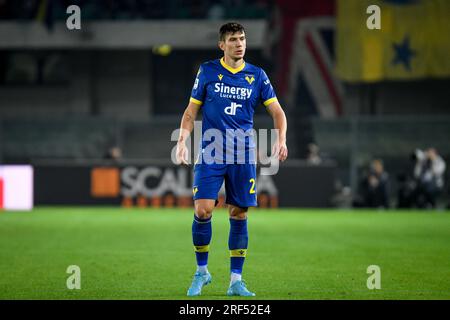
(86, 116)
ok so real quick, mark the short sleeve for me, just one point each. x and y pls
(198, 90)
(267, 93)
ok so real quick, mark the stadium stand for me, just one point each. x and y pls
(138, 9)
(26, 140)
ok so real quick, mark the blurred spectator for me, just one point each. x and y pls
(406, 189)
(429, 174)
(407, 184)
(313, 157)
(114, 153)
(374, 187)
(197, 8)
(342, 197)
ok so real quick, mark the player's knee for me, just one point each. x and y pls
(238, 213)
(203, 211)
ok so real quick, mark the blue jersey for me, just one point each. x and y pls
(228, 97)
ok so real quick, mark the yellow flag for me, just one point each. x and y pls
(413, 42)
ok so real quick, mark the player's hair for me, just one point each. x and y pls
(230, 27)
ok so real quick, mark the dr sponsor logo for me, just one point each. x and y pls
(231, 110)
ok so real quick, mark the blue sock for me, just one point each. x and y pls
(201, 237)
(237, 243)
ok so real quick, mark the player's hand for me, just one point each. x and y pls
(182, 154)
(280, 150)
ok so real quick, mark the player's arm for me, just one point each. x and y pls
(280, 123)
(186, 127)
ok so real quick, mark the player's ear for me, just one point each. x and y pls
(221, 45)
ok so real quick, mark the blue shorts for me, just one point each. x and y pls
(240, 183)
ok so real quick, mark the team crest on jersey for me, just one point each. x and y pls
(220, 77)
(249, 78)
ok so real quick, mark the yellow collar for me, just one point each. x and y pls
(232, 70)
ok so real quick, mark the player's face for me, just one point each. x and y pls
(234, 45)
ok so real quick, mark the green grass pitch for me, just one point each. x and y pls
(293, 254)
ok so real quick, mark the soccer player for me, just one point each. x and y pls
(228, 90)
